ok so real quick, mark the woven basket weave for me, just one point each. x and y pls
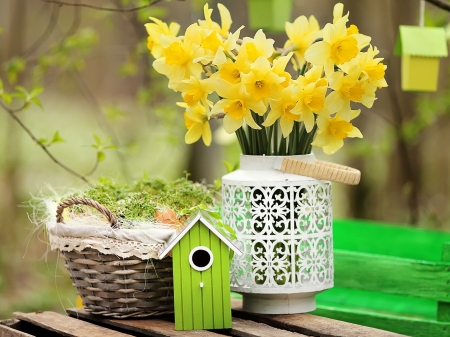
(118, 287)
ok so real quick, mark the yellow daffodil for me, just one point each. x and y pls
(195, 90)
(279, 66)
(310, 94)
(339, 45)
(216, 49)
(372, 70)
(179, 53)
(347, 88)
(155, 30)
(332, 132)
(281, 108)
(258, 46)
(338, 10)
(261, 81)
(237, 105)
(225, 19)
(301, 33)
(196, 121)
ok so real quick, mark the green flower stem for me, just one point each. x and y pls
(242, 139)
(269, 140)
(275, 138)
(282, 147)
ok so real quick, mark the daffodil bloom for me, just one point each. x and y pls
(310, 94)
(155, 30)
(232, 71)
(338, 46)
(195, 90)
(261, 81)
(301, 33)
(347, 88)
(281, 108)
(338, 10)
(196, 121)
(237, 105)
(332, 132)
(216, 49)
(279, 66)
(258, 46)
(177, 63)
(225, 19)
(371, 68)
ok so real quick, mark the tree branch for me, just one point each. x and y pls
(440, 3)
(123, 10)
(42, 146)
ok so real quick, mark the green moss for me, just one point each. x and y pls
(140, 201)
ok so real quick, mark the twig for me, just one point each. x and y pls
(123, 10)
(42, 146)
(440, 3)
(219, 115)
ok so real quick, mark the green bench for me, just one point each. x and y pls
(390, 277)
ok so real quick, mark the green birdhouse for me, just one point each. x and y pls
(420, 49)
(201, 256)
(270, 15)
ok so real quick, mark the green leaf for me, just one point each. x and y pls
(14, 67)
(36, 101)
(57, 138)
(43, 141)
(36, 92)
(6, 97)
(101, 156)
(98, 141)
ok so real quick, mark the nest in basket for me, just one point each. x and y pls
(111, 235)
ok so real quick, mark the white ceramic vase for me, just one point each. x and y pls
(283, 224)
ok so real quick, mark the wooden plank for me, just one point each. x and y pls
(400, 324)
(10, 328)
(226, 293)
(216, 270)
(208, 312)
(443, 312)
(186, 295)
(311, 325)
(392, 275)
(156, 327)
(196, 291)
(245, 328)
(392, 240)
(65, 325)
(177, 284)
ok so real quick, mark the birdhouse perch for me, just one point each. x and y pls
(201, 255)
(420, 49)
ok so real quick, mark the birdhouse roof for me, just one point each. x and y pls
(212, 224)
(421, 41)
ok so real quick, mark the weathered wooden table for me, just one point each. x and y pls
(79, 323)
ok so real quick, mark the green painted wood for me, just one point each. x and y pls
(443, 311)
(208, 312)
(217, 279)
(415, 327)
(391, 240)
(356, 299)
(186, 284)
(177, 291)
(392, 275)
(196, 290)
(226, 292)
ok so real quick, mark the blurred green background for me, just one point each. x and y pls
(97, 80)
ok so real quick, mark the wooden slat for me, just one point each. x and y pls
(409, 326)
(311, 325)
(148, 327)
(216, 270)
(443, 312)
(186, 285)
(196, 292)
(225, 265)
(392, 275)
(10, 328)
(65, 325)
(245, 328)
(207, 292)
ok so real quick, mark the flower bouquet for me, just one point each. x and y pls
(278, 101)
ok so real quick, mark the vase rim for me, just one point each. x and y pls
(263, 162)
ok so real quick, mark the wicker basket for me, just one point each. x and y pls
(118, 287)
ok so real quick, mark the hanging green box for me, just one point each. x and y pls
(270, 15)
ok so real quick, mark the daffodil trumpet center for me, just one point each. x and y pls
(235, 109)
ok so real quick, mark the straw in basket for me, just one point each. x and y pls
(114, 286)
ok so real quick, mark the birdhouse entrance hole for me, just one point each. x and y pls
(201, 258)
